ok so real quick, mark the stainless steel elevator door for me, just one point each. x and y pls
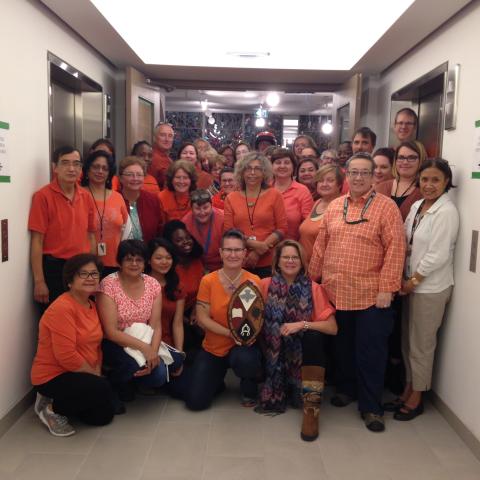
(63, 116)
(430, 111)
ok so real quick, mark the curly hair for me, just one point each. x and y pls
(241, 166)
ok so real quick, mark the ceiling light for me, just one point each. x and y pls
(273, 99)
(204, 105)
(327, 128)
(254, 48)
(260, 122)
(211, 120)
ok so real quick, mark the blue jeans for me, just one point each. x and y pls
(360, 350)
(205, 378)
(121, 367)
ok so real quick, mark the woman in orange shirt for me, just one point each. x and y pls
(329, 180)
(257, 210)
(188, 151)
(110, 210)
(66, 370)
(297, 316)
(181, 180)
(219, 350)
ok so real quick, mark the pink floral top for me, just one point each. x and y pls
(130, 310)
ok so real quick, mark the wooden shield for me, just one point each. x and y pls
(245, 313)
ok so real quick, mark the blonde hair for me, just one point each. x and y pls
(278, 252)
(131, 160)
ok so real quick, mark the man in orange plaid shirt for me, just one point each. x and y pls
(359, 255)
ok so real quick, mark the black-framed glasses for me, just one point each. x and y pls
(408, 158)
(84, 274)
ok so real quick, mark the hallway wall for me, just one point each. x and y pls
(457, 378)
(28, 32)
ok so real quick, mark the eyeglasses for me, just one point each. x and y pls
(290, 258)
(254, 169)
(74, 164)
(83, 274)
(99, 168)
(359, 173)
(409, 158)
(233, 250)
(133, 175)
(405, 124)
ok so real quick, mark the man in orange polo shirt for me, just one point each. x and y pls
(163, 141)
(359, 255)
(61, 224)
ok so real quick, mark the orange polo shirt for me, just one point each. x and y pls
(64, 223)
(211, 291)
(174, 205)
(69, 335)
(260, 220)
(357, 261)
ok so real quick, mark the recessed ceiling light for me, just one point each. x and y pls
(260, 122)
(273, 99)
(327, 128)
(362, 25)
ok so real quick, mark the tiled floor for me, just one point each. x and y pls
(159, 440)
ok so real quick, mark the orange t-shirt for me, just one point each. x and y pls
(259, 219)
(64, 223)
(322, 308)
(149, 184)
(174, 206)
(190, 276)
(308, 233)
(159, 166)
(211, 291)
(112, 217)
(69, 335)
(169, 308)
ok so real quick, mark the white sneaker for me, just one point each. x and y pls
(41, 402)
(57, 424)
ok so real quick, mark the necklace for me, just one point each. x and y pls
(232, 287)
(100, 215)
(408, 188)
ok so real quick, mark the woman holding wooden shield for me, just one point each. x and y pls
(297, 317)
(220, 350)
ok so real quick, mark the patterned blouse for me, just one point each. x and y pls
(130, 310)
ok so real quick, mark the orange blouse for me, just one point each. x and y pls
(174, 205)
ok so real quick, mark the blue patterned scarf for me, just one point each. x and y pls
(283, 355)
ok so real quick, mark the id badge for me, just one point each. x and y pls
(101, 249)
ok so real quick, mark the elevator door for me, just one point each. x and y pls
(430, 122)
(63, 116)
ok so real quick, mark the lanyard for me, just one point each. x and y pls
(364, 210)
(102, 215)
(250, 218)
(209, 234)
(416, 222)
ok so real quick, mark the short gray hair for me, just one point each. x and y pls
(241, 166)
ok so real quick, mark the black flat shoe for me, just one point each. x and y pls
(341, 400)
(394, 405)
(409, 413)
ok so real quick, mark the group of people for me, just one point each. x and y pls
(351, 249)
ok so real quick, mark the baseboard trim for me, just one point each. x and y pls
(16, 412)
(462, 431)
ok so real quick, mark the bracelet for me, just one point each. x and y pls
(305, 325)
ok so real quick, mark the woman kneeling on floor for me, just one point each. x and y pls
(298, 315)
(66, 370)
(219, 350)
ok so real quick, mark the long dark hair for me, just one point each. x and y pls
(171, 277)
(88, 163)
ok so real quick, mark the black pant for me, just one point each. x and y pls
(313, 349)
(360, 349)
(205, 378)
(79, 394)
(53, 274)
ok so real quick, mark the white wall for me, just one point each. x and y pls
(28, 32)
(457, 377)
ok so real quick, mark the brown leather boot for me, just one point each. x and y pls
(312, 387)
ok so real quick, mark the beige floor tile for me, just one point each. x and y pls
(287, 462)
(234, 468)
(236, 433)
(175, 411)
(51, 466)
(116, 458)
(178, 450)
